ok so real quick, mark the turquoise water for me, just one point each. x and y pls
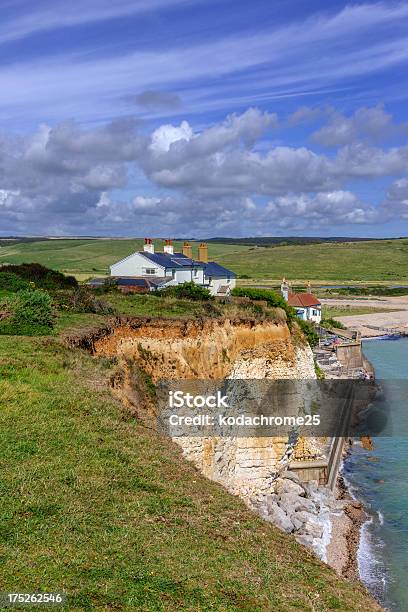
(380, 479)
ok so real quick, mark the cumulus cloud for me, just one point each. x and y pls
(119, 178)
(320, 210)
(166, 135)
(367, 123)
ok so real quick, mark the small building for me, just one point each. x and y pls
(167, 268)
(307, 305)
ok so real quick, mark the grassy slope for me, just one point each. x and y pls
(95, 504)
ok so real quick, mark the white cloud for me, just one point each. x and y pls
(165, 135)
(369, 123)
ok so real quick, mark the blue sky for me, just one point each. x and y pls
(202, 117)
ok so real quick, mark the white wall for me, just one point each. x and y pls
(314, 317)
(217, 282)
(307, 314)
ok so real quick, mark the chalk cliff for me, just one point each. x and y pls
(212, 349)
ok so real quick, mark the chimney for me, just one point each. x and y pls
(203, 252)
(168, 247)
(187, 250)
(285, 289)
(309, 287)
(148, 245)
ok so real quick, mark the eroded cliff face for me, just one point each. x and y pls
(212, 349)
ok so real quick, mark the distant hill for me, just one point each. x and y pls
(282, 240)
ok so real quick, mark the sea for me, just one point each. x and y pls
(379, 478)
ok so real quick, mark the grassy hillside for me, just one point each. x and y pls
(95, 504)
(364, 261)
(383, 260)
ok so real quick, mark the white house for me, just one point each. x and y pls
(307, 306)
(168, 268)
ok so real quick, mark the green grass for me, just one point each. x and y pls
(384, 260)
(97, 505)
(153, 306)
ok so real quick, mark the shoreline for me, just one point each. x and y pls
(342, 550)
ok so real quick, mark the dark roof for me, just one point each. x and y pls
(302, 300)
(214, 269)
(96, 282)
(142, 281)
(178, 260)
(132, 282)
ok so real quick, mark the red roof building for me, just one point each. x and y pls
(302, 300)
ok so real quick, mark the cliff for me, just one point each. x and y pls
(210, 349)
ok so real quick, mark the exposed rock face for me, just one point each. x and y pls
(217, 349)
(254, 468)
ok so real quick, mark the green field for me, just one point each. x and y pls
(383, 260)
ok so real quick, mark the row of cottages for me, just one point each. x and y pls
(307, 306)
(148, 270)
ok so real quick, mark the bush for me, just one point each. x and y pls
(187, 291)
(82, 300)
(309, 331)
(27, 313)
(329, 323)
(12, 282)
(273, 299)
(42, 277)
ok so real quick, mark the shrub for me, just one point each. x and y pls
(82, 300)
(12, 282)
(187, 291)
(272, 298)
(330, 323)
(27, 313)
(42, 277)
(309, 331)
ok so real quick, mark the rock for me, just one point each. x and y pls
(291, 502)
(296, 522)
(303, 516)
(288, 486)
(311, 488)
(313, 528)
(271, 499)
(291, 476)
(306, 540)
(278, 517)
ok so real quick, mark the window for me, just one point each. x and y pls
(195, 273)
(150, 270)
(173, 273)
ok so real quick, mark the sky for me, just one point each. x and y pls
(203, 118)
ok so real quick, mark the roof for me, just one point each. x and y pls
(213, 269)
(142, 281)
(302, 300)
(97, 282)
(177, 260)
